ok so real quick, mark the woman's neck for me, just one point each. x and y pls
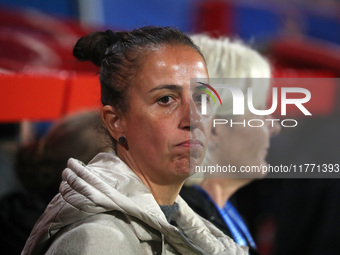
(221, 189)
(165, 195)
(164, 192)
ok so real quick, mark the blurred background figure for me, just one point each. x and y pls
(232, 145)
(307, 210)
(39, 166)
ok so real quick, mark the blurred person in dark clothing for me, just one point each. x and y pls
(39, 166)
(308, 210)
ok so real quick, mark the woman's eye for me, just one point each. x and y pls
(198, 98)
(165, 100)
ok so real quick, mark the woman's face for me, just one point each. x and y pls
(163, 127)
(244, 146)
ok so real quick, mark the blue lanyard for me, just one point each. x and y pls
(230, 210)
(233, 220)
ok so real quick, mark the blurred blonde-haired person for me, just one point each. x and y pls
(232, 145)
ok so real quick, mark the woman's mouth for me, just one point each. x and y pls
(192, 144)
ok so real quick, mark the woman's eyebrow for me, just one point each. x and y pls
(167, 86)
(199, 87)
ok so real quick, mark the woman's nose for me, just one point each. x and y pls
(191, 118)
(195, 116)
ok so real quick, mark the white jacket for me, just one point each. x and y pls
(104, 208)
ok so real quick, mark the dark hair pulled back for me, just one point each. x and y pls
(119, 56)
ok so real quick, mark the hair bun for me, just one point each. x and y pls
(112, 36)
(92, 47)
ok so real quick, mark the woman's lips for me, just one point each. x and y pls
(192, 144)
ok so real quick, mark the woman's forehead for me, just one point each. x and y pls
(171, 65)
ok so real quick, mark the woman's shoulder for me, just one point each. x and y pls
(99, 234)
(210, 237)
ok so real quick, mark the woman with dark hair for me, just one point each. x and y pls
(126, 202)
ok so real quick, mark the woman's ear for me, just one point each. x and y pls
(113, 121)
